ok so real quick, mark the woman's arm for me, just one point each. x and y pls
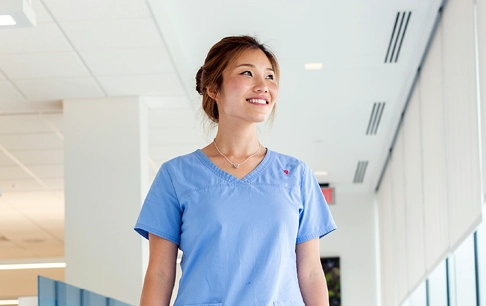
(311, 276)
(160, 276)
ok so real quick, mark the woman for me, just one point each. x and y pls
(247, 219)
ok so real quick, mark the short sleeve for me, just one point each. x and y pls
(161, 213)
(315, 218)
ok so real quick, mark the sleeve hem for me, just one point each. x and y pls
(144, 230)
(317, 234)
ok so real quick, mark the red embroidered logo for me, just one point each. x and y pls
(286, 171)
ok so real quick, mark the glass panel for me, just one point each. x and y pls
(419, 296)
(46, 290)
(438, 286)
(92, 299)
(465, 269)
(481, 241)
(67, 294)
(407, 302)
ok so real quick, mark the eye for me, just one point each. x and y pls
(248, 73)
(270, 76)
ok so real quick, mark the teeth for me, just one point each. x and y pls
(258, 101)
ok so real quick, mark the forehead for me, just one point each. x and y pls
(254, 57)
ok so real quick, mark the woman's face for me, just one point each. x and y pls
(249, 89)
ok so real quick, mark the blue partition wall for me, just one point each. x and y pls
(56, 293)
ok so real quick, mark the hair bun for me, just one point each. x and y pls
(199, 80)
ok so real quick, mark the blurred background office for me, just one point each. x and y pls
(384, 99)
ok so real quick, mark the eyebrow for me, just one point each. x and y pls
(251, 65)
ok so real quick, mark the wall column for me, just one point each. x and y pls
(106, 180)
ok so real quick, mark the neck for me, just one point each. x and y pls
(237, 140)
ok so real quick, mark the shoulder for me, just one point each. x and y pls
(179, 161)
(292, 171)
(289, 161)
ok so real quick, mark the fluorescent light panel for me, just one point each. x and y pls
(313, 66)
(46, 265)
(6, 20)
(9, 302)
(16, 14)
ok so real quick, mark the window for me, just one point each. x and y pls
(462, 266)
(437, 286)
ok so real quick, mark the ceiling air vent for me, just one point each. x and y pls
(360, 172)
(375, 118)
(397, 36)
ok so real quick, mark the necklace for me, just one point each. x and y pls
(236, 165)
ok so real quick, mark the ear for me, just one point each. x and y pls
(212, 92)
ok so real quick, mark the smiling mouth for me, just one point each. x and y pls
(257, 101)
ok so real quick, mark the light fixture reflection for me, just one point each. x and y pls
(47, 265)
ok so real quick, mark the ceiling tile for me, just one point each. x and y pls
(50, 106)
(45, 37)
(12, 251)
(54, 184)
(39, 157)
(23, 124)
(13, 227)
(54, 119)
(128, 61)
(11, 101)
(5, 160)
(51, 251)
(26, 200)
(45, 141)
(94, 9)
(144, 85)
(55, 228)
(41, 15)
(55, 89)
(42, 65)
(20, 236)
(173, 118)
(13, 173)
(167, 102)
(175, 136)
(48, 171)
(113, 34)
(20, 185)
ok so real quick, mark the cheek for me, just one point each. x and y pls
(274, 90)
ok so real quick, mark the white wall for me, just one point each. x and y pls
(355, 243)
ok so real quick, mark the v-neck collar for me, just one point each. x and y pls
(229, 177)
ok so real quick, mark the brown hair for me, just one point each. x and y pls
(220, 56)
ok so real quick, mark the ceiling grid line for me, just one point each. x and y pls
(73, 48)
(52, 126)
(159, 30)
(19, 92)
(35, 223)
(21, 165)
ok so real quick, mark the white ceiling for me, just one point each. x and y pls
(92, 49)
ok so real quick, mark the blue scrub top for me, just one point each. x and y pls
(238, 237)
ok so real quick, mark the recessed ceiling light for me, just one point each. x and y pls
(7, 20)
(321, 173)
(16, 14)
(46, 265)
(313, 66)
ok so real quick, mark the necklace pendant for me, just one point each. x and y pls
(236, 166)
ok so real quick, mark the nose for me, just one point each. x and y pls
(260, 85)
